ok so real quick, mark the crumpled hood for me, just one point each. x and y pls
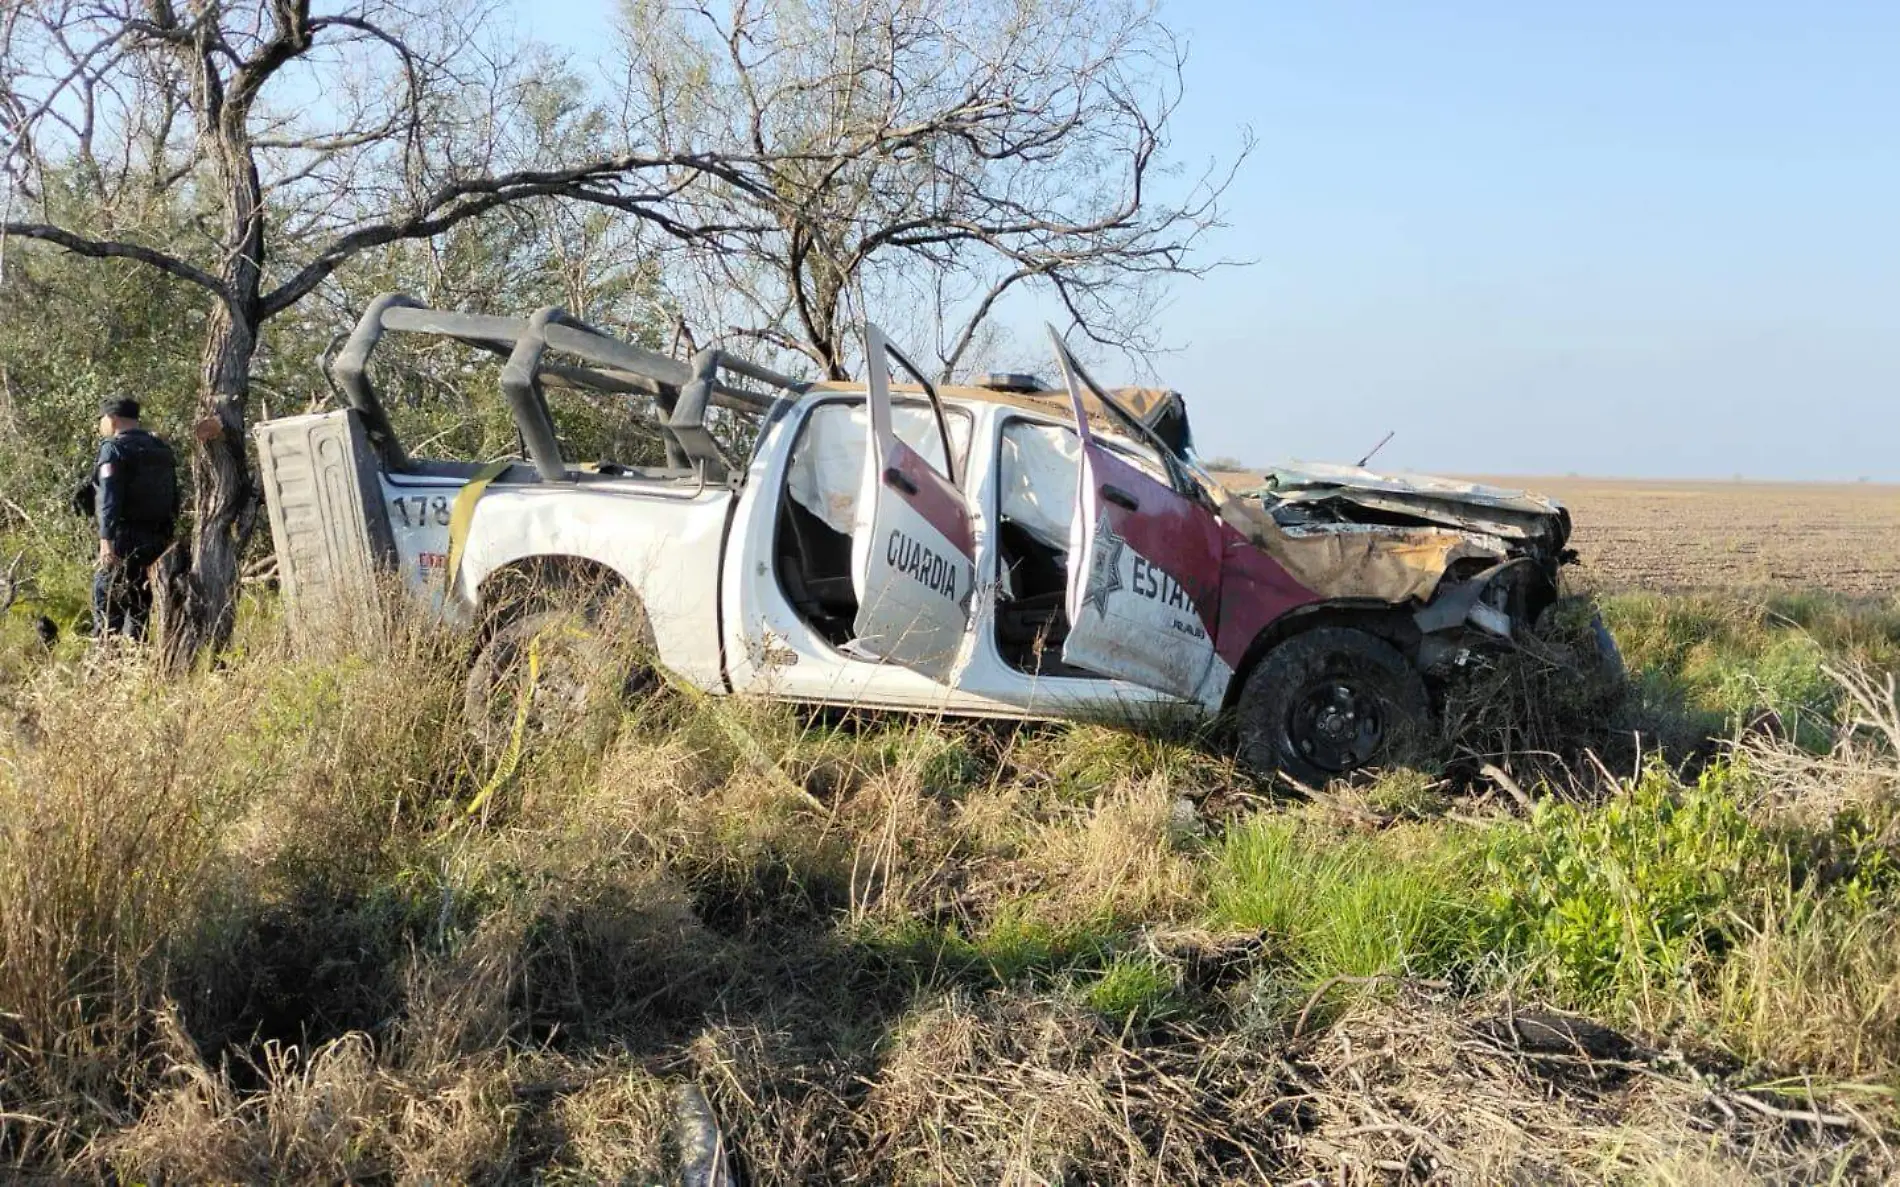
(1319, 477)
(1315, 493)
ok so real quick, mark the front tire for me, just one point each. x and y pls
(1330, 702)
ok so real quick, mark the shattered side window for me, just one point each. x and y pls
(827, 465)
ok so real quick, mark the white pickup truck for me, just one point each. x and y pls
(996, 550)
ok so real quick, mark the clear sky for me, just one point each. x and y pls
(1612, 238)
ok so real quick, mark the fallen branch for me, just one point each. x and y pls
(1807, 1116)
(1508, 785)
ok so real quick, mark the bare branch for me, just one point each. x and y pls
(979, 315)
(466, 199)
(106, 249)
(996, 145)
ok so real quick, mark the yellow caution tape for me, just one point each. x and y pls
(462, 514)
(518, 729)
(517, 733)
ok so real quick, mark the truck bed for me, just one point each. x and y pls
(339, 519)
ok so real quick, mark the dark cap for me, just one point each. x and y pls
(123, 407)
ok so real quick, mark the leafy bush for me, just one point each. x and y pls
(1612, 903)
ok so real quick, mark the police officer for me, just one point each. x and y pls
(133, 492)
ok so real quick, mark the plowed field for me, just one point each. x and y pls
(1733, 535)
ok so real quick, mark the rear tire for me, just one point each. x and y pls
(1329, 702)
(558, 673)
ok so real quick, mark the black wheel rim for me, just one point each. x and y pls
(1336, 726)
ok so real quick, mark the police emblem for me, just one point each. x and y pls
(1105, 566)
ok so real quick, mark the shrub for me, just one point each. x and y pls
(1614, 903)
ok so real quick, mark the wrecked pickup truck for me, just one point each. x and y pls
(1002, 549)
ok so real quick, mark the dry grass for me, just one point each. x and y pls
(1014, 1090)
(1812, 988)
(286, 936)
(1421, 1088)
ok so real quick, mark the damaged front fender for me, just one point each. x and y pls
(1349, 533)
(1374, 562)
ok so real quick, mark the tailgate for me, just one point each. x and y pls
(323, 492)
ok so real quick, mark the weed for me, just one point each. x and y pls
(1133, 990)
(1011, 949)
(1619, 903)
(1078, 763)
(1407, 794)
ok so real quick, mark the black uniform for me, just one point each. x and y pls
(134, 488)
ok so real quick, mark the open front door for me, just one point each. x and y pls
(1144, 560)
(913, 552)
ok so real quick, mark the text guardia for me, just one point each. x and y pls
(922, 565)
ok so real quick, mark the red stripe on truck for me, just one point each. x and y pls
(1238, 589)
(940, 503)
(1255, 591)
(1168, 531)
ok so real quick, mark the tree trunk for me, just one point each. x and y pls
(827, 334)
(223, 489)
(198, 609)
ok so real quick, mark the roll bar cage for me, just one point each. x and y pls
(682, 391)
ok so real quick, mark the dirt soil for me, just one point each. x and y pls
(1681, 535)
(1734, 535)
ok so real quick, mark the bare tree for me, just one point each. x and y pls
(926, 155)
(303, 138)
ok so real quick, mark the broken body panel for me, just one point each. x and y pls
(1355, 533)
(883, 541)
(1149, 603)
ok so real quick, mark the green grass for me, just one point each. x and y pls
(1011, 949)
(1345, 904)
(1709, 665)
(1615, 904)
(775, 903)
(1134, 990)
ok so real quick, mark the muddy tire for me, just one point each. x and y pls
(562, 673)
(1329, 702)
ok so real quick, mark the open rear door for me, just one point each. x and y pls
(1144, 561)
(913, 553)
